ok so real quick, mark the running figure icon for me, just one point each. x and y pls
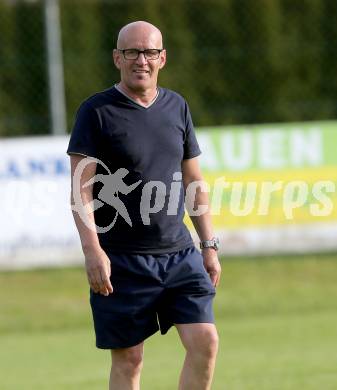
(112, 185)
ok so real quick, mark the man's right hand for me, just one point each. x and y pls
(98, 269)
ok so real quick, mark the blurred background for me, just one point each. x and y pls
(236, 61)
(260, 79)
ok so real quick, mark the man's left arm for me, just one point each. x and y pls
(203, 225)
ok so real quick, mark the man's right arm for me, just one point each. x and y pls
(97, 262)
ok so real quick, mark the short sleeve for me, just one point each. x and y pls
(191, 146)
(85, 137)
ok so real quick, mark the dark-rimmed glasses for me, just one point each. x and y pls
(133, 54)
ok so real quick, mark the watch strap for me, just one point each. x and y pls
(212, 243)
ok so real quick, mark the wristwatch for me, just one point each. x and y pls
(213, 243)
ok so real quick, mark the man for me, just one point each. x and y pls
(147, 275)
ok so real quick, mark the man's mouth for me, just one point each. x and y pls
(141, 71)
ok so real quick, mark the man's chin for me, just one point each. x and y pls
(141, 85)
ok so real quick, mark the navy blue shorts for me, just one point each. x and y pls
(151, 292)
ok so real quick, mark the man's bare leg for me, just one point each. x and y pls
(126, 368)
(201, 344)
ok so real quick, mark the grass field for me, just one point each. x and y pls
(277, 320)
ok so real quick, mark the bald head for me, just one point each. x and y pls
(138, 32)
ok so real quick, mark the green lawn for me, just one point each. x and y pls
(277, 320)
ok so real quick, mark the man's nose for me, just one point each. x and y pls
(141, 59)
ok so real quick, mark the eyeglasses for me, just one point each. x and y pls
(133, 54)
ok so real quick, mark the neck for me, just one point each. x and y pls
(143, 97)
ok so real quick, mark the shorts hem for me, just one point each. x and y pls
(194, 322)
(127, 345)
(164, 328)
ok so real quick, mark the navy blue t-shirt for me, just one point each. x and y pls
(151, 143)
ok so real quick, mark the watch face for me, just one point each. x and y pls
(216, 243)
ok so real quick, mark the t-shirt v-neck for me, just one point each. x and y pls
(134, 101)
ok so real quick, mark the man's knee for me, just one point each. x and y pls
(208, 344)
(203, 340)
(128, 361)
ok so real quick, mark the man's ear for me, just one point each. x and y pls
(162, 59)
(116, 58)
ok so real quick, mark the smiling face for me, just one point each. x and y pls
(140, 75)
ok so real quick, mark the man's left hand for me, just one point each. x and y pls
(212, 265)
